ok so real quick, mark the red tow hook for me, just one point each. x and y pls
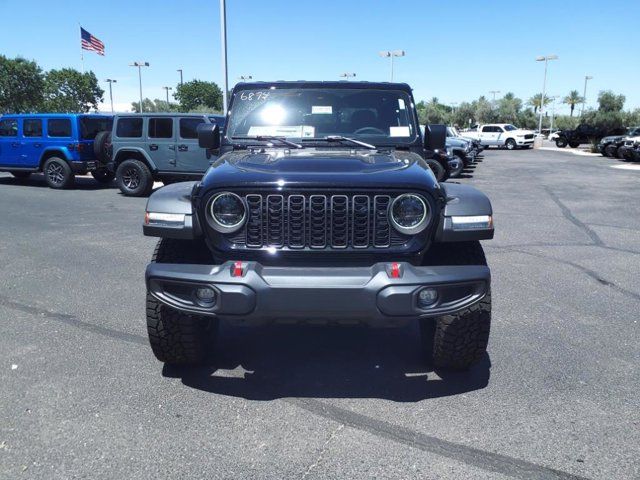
(395, 271)
(237, 269)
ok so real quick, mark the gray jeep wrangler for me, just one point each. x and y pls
(148, 147)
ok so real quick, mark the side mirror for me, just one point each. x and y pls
(209, 136)
(435, 137)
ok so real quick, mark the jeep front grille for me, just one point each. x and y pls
(299, 221)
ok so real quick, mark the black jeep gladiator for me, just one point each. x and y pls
(319, 208)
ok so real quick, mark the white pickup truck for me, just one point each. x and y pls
(501, 135)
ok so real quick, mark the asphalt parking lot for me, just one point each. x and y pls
(81, 395)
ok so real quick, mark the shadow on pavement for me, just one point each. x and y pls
(37, 180)
(273, 362)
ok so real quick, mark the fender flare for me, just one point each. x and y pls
(138, 151)
(174, 200)
(62, 152)
(464, 201)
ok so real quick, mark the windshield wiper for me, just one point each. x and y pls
(269, 138)
(338, 138)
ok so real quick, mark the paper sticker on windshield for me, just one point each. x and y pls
(296, 131)
(321, 109)
(401, 104)
(399, 132)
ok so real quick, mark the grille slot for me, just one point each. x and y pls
(317, 221)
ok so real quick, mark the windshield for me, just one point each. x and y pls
(510, 128)
(90, 126)
(372, 116)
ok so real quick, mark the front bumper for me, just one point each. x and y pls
(348, 295)
(524, 141)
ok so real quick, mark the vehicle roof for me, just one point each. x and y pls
(57, 115)
(166, 114)
(325, 84)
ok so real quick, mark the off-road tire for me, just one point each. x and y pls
(574, 144)
(134, 178)
(611, 151)
(58, 173)
(102, 148)
(178, 338)
(620, 153)
(510, 144)
(102, 175)
(459, 340)
(437, 169)
(561, 142)
(21, 175)
(457, 172)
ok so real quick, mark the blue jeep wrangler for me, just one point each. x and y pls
(58, 145)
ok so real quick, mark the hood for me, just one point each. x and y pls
(456, 142)
(612, 138)
(521, 131)
(309, 167)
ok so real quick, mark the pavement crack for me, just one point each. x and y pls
(566, 212)
(73, 321)
(323, 450)
(489, 461)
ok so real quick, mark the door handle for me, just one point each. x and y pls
(37, 145)
(153, 147)
(183, 148)
(172, 161)
(172, 147)
(15, 144)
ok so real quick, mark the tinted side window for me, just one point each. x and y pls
(189, 127)
(32, 127)
(90, 126)
(8, 128)
(129, 127)
(160, 127)
(59, 127)
(487, 129)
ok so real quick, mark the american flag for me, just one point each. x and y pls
(89, 42)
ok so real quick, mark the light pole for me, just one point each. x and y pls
(244, 78)
(584, 95)
(544, 59)
(391, 54)
(111, 81)
(180, 72)
(347, 75)
(167, 91)
(140, 65)
(223, 37)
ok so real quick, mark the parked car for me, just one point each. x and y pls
(627, 150)
(58, 145)
(453, 132)
(319, 209)
(148, 147)
(501, 135)
(609, 146)
(439, 157)
(462, 149)
(583, 133)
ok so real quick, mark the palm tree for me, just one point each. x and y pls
(572, 100)
(536, 101)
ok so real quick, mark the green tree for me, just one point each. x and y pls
(197, 93)
(68, 90)
(573, 99)
(610, 102)
(536, 102)
(21, 85)
(508, 109)
(156, 105)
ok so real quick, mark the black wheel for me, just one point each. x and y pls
(134, 178)
(21, 175)
(561, 142)
(457, 341)
(511, 144)
(102, 148)
(102, 175)
(438, 170)
(574, 144)
(611, 150)
(58, 173)
(620, 152)
(177, 338)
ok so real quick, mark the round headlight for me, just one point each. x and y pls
(227, 212)
(409, 213)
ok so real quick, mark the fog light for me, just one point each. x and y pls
(205, 296)
(427, 297)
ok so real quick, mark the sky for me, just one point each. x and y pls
(455, 50)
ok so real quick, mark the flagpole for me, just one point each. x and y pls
(81, 49)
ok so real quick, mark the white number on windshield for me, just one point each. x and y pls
(249, 96)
